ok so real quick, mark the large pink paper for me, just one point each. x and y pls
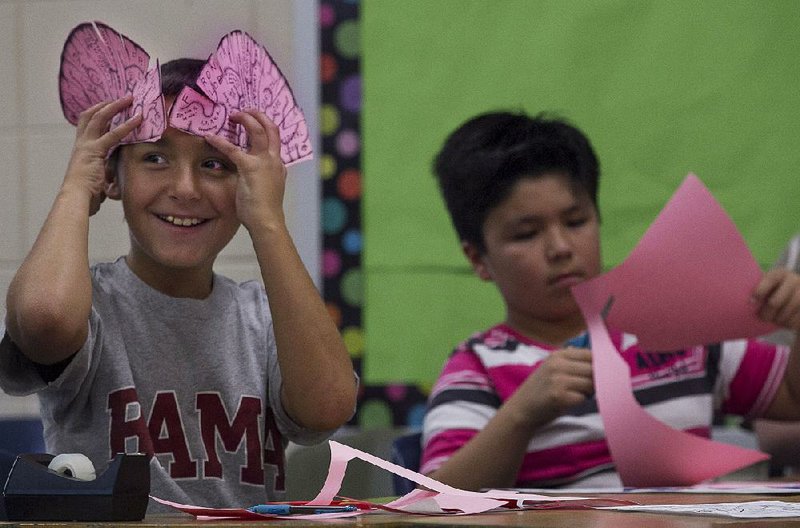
(647, 452)
(239, 75)
(100, 64)
(688, 280)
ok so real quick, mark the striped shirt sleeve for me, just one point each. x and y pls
(750, 373)
(461, 403)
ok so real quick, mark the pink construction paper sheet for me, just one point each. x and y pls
(692, 250)
(689, 279)
(241, 74)
(100, 64)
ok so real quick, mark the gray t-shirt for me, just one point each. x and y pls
(195, 383)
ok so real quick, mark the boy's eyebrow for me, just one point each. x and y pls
(532, 217)
(165, 142)
(160, 142)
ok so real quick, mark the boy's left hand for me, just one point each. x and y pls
(777, 298)
(262, 174)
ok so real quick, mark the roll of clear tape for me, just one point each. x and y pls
(73, 465)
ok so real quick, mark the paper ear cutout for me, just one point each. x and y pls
(100, 64)
(241, 74)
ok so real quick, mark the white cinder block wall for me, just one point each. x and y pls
(36, 140)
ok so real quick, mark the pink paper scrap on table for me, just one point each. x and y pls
(437, 499)
(691, 253)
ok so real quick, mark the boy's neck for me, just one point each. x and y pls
(182, 283)
(554, 333)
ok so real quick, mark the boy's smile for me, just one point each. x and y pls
(184, 222)
(541, 240)
(179, 197)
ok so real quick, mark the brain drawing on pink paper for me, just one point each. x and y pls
(199, 115)
(241, 74)
(100, 64)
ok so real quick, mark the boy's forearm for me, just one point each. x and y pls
(49, 300)
(319, 387)
(492, 459)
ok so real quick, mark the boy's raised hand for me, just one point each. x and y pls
(319, 389)
(93, 140)
(777, 298)
(262, 174)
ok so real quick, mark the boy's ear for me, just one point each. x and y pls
(475, 257)
(111, 181)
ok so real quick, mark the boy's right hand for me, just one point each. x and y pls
(561, 381)
(93, 140)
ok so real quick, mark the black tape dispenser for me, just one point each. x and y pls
(34, 492)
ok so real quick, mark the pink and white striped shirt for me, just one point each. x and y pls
(682, 389)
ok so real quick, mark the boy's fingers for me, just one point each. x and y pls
(784, 303)
(114, 136)
(778, 298)
(256, 136)
(790, 318)
(86, 115)
(272, 131)
(262, 132)
(767, 285)
(224, 146)
(101, 114)
(579, 354)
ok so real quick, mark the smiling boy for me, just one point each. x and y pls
(155, 352)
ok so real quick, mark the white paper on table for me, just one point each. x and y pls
(718, 488)
(747, 510)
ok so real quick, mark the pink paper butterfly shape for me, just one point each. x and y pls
(100, 64)
(241, 74)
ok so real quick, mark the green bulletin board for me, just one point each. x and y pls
(661, 88)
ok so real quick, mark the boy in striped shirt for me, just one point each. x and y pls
(514, 404)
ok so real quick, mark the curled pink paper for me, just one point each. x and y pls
(100, 64)
(647, 452)
(446, 497)
(239, 75)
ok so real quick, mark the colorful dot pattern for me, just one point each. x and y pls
(340, 171)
